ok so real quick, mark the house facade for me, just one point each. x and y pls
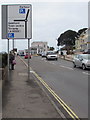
(83, 42)
(38, 47)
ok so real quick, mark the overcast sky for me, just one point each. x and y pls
(50, 19)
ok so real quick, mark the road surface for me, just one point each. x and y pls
(70, 84)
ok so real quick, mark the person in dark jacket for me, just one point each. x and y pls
(62, 54)
(11, 58)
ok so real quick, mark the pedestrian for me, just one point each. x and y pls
(62, 54)
(12, 60)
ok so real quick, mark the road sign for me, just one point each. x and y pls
(22, 11)
(17, 21)
(10, 35)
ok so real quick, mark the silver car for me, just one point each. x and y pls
(82, 60)
(51, 55)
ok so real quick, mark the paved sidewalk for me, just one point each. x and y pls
(67, 57)
(0, 99)
(23, 99)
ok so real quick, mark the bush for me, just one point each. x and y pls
(0, 61)
(3, 60)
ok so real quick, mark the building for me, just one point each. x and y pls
(21, 52)
(83, 42)
(38, 47)
(87, 39)
(80, 42)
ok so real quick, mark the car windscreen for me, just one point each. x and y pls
(51, 53)
(87, 56)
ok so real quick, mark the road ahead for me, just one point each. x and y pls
(69, 83)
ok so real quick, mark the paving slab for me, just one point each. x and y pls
(25, 99)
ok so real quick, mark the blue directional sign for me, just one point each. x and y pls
(10, 35)
(22, 11)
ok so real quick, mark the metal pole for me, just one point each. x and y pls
(25, 28)
(13, 45)
(8, 60)
(28, 59)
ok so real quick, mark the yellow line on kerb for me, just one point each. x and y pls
(70, 112)
(64, 105)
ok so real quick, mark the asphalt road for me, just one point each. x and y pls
(71, 84)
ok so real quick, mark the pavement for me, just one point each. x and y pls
(0, 99)
(23, 98)
(67, 57)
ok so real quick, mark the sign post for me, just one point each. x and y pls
(28, 59)
(17, 24)
(13, 45)
(8, 60)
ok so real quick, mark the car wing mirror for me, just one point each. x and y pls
(80, 59)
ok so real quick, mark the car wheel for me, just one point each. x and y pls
(56, 58)
(83, 67)
(74, 65)
(46, 58)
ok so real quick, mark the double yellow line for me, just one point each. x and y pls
(60, 101)
(70, 112)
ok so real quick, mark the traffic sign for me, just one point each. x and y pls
(17, 21)
(22, 11)
(10, 35)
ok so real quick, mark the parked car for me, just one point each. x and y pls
(86, 51)
(43, 54)
(39, 54)
(51, 55)
(82, 60)
(26, 56)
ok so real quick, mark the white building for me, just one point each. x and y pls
(83, 42)
(38, 47)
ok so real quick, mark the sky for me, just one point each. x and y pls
(50, 19)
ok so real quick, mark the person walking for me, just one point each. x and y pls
(12, 60)
(62, 54)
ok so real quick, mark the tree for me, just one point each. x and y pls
(68, 39)
(81, 31)
(51, 48)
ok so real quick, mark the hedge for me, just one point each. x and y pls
(3, 60)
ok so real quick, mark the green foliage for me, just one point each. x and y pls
(67, 38)
(51, 48)
(81, 31)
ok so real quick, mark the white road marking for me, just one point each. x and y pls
(43, 58)
(53, 63)
(66, 67)
(62, 66)
(86, 73)
(31, 71)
